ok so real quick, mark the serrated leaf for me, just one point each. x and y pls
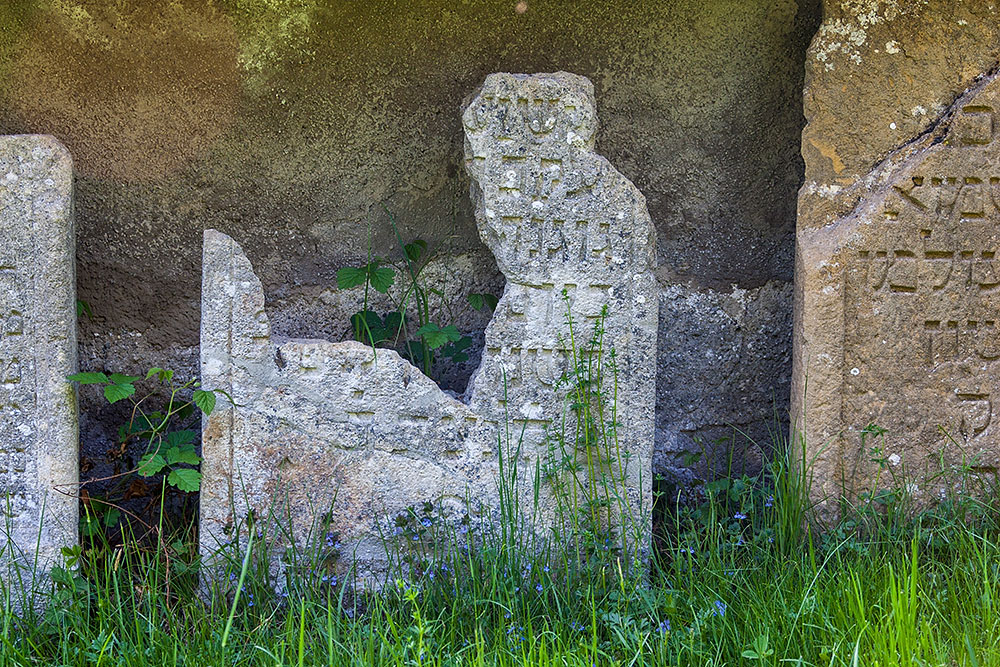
(185, 479)
(151, 464)
(118, 378)
(491, 301)
(179, 438)
(185, 454)
(436, 336)
(415, 250)
(88, 378)
(118, 392)
(161, 373)
(205, 400)
(382, 279)
(351, 276)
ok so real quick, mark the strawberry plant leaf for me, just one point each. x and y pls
(150, 464)
(185, 479)
(351, 276)
(185, 454)
(179, 438)
(381, 278)
(205, 400)
(118, 392)
(415, 250)
(89, 378)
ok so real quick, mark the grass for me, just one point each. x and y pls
(737, 578)
(731, 583)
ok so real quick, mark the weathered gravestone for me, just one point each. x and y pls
(336, 437)
(898, 309)
(38, 420)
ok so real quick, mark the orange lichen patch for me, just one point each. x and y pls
(829, 152)
(134, 91)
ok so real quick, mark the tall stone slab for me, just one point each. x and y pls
(337, 437)
(897, 286)
(559, 218)
(38, 417)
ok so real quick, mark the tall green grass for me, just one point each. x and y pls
(726, 588)
(740, 577)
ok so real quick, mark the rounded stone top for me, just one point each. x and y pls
(537, 107)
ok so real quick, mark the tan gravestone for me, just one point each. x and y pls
(340, 438)
(38, 420)
(898, 311)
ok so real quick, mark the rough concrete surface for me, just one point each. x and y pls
(38, 411)
(289, 123)
(341, 438)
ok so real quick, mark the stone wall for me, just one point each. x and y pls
(288, 124)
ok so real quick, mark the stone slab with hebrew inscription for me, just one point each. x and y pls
(340, 438)
(38, 418)
(898, 315)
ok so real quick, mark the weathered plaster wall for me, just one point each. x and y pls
(288, 124)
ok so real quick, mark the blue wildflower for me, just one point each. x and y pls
(769, 502)
(539, 588)
(426, 522)
(739, 516)
(664, 626)
(720, 608)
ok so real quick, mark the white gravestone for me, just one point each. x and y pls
(38, 414)
(336, 430)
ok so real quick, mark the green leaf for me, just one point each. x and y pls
(162, 374)
(436, 336)
(112, 516)
(456, 350)
(118, 378)
(82, 307)
(478, 301)
(415, 250)
(351, 276)
(179, 438)
(150, 464)
(185, 479)
(89, 378)
(185, 454)
(205, 400)
(118, 392)
(367, 327)
(382, 279)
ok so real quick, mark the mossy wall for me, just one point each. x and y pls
(293, 124)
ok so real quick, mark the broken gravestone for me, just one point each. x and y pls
(896, 375)
(334, 440)
(38, 419)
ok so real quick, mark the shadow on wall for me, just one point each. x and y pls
(288, 124)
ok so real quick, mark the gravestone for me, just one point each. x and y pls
(38, 419)
(336, 438)
(897, 313)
